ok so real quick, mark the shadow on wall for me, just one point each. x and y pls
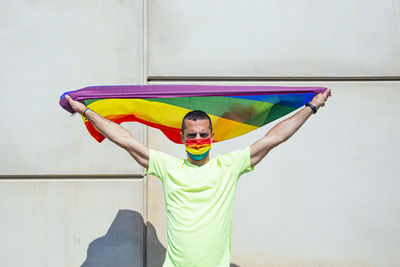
(123, 244)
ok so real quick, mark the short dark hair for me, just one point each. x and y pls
(194, 116)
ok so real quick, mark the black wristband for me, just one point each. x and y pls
(314, 109)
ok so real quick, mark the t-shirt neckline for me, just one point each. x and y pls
(187, 162)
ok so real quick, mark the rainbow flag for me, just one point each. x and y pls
(234, 110)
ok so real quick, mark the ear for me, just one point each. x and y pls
(182, 138)
(212, 137)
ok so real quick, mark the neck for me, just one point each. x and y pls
(199, 162)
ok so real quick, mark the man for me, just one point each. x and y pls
(199, 191)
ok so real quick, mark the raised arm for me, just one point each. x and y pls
(114, 132)
(284, 130)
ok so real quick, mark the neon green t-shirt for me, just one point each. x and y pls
(199, 205)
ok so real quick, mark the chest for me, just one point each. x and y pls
(199, 181)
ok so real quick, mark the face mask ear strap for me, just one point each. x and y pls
(183, 138)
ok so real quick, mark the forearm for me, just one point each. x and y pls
(114, 132)
(277, 135)
(111, 130)
(285, 129)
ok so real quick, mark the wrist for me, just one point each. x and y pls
(312, 107)
(84, 110)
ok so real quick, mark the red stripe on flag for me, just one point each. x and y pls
(172, 133)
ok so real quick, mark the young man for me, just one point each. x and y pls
(199, 191)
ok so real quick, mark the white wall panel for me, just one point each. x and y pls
(274, 38)
(47, 48)
(326, 197)
(71, 223)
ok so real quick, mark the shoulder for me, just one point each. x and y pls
(161, 163)
(234, 156)
(238, 161)
(161, 156)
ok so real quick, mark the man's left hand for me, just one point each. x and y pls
(320, 99)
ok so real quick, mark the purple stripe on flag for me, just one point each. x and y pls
(163, 91)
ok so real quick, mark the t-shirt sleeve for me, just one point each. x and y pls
(241, 161)
(160, 163)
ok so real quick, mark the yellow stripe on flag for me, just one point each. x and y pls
(165, 114)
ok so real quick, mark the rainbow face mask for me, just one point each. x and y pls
(198, 148)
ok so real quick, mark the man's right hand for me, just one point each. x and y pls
(76, 105)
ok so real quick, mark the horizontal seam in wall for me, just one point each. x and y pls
(256, 79)
(71, 177)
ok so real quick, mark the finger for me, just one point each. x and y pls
(69, 99)
(327, 92)
(317, 95)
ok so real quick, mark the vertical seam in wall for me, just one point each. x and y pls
(145, 132)
(146, 206)
(145, 42)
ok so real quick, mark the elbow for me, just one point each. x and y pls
(121, 142)
(277, 140)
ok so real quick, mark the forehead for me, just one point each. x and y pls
(197, 125)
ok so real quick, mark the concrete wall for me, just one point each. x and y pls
(66, 200)
(71, 222)
(48, 48)
(274, 38)
(327, 197)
